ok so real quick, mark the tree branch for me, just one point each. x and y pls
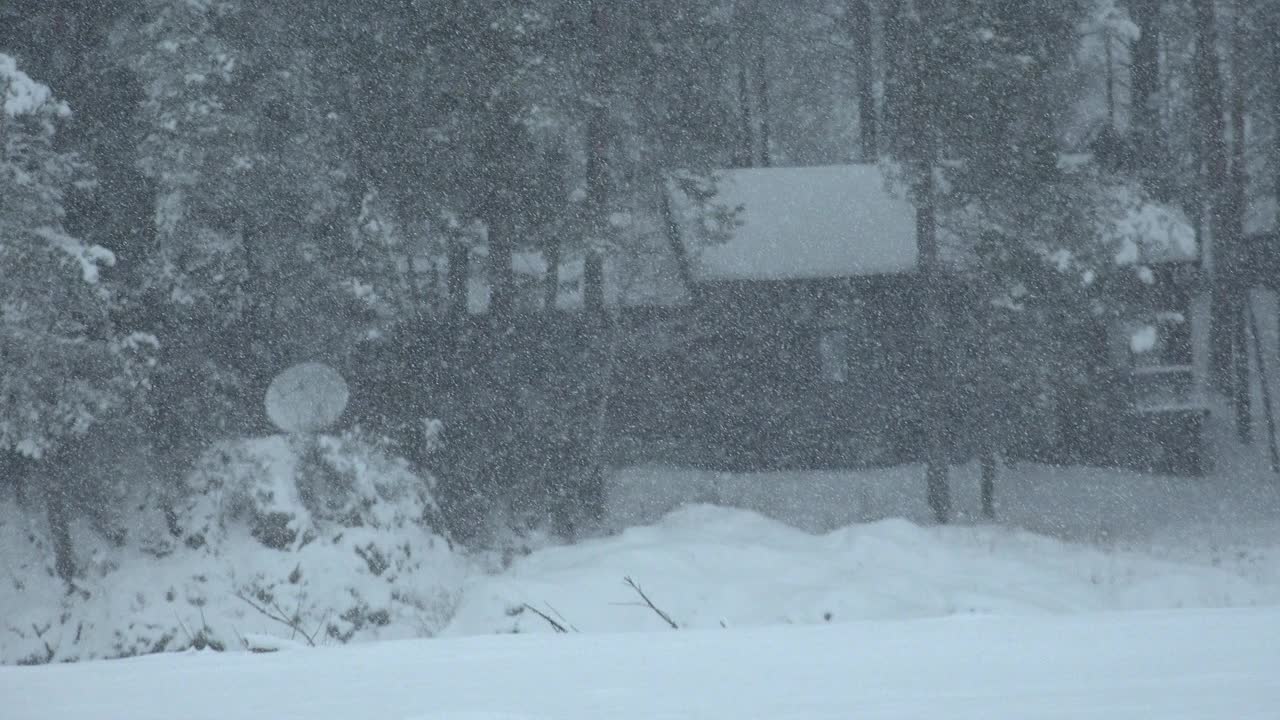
(279, 617)
(666, 618)
(559, 628)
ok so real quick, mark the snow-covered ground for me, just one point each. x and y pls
(712, 550)
(1134, 666)
(1098, 594)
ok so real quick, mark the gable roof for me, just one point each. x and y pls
(799, 223)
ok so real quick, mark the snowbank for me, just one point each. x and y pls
(709, 567)
(273, 541)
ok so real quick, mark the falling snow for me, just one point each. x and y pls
(528, 358)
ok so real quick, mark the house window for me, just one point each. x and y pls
(1161, 362)
(1161, 340)
(833, 354)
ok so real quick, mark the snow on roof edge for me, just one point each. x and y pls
(798, 223)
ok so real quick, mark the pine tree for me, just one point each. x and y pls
(64, 366)
(972, 122)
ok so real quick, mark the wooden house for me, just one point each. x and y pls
(803, 332)
(803, 316)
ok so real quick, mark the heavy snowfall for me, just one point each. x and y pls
(507, 360)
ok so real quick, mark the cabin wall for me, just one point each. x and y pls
(750, 388)
(744, 379)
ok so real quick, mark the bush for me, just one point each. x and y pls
(327, 539)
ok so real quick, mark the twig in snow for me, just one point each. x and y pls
(667, 618)
(243, 642)
(278, 616)
(550, 620)
(191, 640)
(562, 617)
(319, 626)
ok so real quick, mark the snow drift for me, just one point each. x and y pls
(709, 567)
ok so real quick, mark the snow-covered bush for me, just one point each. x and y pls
(314, 540)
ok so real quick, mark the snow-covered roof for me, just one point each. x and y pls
(798, 223)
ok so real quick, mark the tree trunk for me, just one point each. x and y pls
(933, 348)
(1214, 187)
(893, 81)
(590, 503)
(592, 490)
(459, 279)
(858, 15)
(744, 157)
(597, 164)
(1144, 84)
(57, 493)
(990, 469)
(1111, 81)
(762, 104)
(1275, 114)
(501, 276)
(1274, 25)
(1241, 390)
(1268, 403)
(1234, 221)
(551, 281)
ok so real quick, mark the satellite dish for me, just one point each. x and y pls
(306, 398)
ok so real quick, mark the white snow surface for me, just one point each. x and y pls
(1100, 594)
(809, 222)
(1166, 666)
